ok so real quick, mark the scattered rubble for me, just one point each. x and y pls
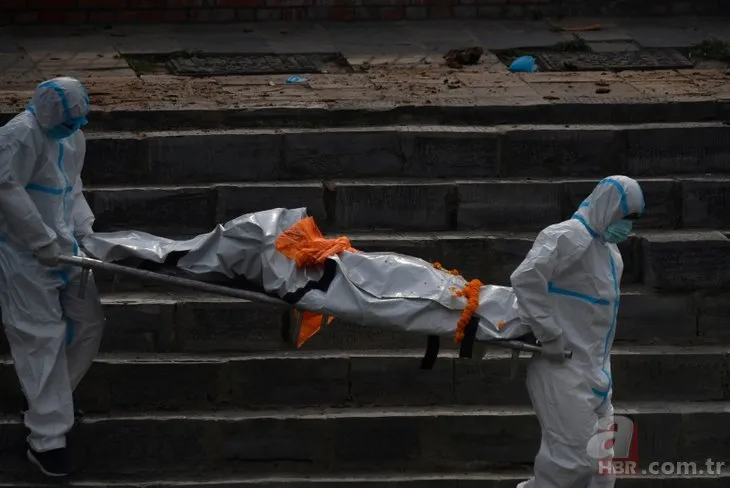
(458, 58)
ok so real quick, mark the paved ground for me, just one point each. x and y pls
(396, 64)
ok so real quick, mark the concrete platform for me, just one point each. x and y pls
(402, 205)
(497, 479)
(315, 441)
(410, 151)
(149, 322)
(169, 382)
(398, 75)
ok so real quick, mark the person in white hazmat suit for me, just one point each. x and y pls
(568, 293)
(53, 332)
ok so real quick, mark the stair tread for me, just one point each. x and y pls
(460, 129)
(334, 480)
(324, 413)
(495, 352)
(389, 181)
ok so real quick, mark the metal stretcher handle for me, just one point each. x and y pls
(519, 346)
(524, 346)
(88, 263)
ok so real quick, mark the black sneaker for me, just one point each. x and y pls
(51, 463)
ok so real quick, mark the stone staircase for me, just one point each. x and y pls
(194, 390)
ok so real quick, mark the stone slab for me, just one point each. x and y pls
(498, 479)
(524, 205)
(238, 199)
(392, 205)
(401, 205)
(526, 151)
(649, 317)
(198, 158)
(456, 152)
(157, 209)
(308, 379)
(706, 203)
(559, 152)
(662, 150)
(686, 260)
(313, 441)
(315, 154)
(713, 321)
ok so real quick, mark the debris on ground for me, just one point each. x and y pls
(452, 83)
(576, 45)
(293, 80)
(523, 64)
(458, 58)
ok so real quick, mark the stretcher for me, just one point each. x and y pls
(279, 257)
(88, 264)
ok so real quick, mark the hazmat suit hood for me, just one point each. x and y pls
(60, 101)
(613, 199)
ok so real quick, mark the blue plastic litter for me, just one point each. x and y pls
(296, 79)
(524, 64)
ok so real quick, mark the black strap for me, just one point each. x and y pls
(432, 352)
(470, 333)
(323, 284)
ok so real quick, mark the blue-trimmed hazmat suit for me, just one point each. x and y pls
(54, 334)
(568, 293)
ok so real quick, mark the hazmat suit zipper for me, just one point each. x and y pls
(609, 334)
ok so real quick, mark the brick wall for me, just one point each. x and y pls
(157, 11)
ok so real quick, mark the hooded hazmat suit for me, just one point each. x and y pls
(53, 333)
(568, 292)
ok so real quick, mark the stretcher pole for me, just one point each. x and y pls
(95, 264)
(518, 347)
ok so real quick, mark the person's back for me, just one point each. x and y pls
(53, 333)
(568, 290)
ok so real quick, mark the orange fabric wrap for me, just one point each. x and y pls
(304, 244)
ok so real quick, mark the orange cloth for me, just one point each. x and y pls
(471, 293)
(304, 243)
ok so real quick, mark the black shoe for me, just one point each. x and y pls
(51, 463)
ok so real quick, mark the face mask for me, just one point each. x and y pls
(618, 232)
(67, 129)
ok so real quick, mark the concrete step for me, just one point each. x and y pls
(672, 261)
(167, 382)
(489, 112)
(410, 151)
(405, 204)
(318, 441)
(495, 479)
(148, 322)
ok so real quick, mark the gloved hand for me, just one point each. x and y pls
(48, 256)
(554, 351)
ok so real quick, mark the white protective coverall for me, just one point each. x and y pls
(569, 285)
(54, 335)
